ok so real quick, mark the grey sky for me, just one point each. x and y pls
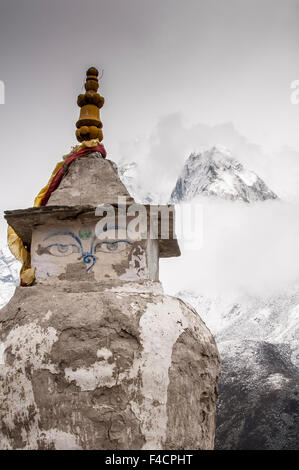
(213, 61)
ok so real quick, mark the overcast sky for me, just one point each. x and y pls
(213, 61)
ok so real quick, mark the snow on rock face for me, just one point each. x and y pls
(258, 404)
(215, 172)
(130, 177)
(128, 174)
(9, 277)
(259, 378)
(273, 319)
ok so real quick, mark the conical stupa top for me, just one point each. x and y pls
(89, 125)
(85, 181)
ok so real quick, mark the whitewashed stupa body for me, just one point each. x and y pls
(94, 354)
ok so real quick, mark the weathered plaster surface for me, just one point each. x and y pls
(72, 251)
(95, 369)
(2, 349)
(160, 326)
(25, 349)
(98, 374)
(151, 287)
(152, 250)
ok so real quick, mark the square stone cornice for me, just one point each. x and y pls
(24, 221)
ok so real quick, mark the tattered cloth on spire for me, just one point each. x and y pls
(61, 169)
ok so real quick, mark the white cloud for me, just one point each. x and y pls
(249, 248)
(161, 156)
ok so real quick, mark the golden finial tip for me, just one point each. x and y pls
(92, 71)
(89, 125)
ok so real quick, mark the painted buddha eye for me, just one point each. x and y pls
(58, 249)
(116, 246)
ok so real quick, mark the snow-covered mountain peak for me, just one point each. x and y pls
(215, 172)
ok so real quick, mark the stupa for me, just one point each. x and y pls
(94, 355)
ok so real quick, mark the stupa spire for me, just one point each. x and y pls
(89, 125)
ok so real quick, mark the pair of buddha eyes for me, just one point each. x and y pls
(60, 249)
